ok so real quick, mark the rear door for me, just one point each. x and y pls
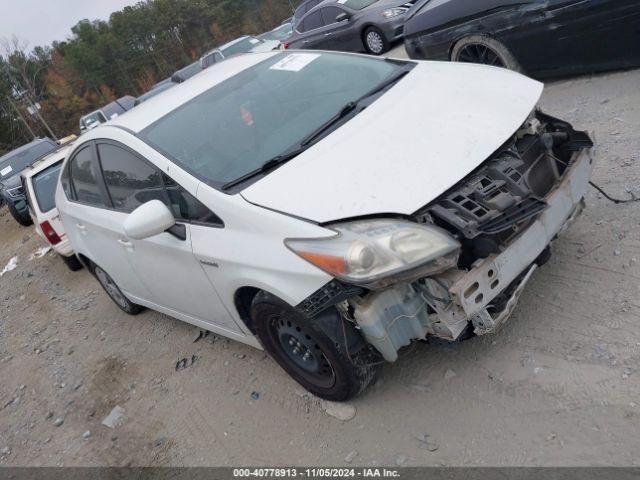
(312, 28)
(92, 226)
(339, 35)
(164, 263)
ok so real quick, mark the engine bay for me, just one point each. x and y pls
(489, 207)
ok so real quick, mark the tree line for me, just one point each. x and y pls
(44, 91)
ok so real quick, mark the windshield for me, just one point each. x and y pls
(14, 162)
(241, 46)
(236, 126)
(357, 4)
(44, 186)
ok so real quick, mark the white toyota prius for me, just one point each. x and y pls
(330, 208)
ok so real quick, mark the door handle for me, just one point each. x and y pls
(81, 227)
(125, 243)
(328, 34)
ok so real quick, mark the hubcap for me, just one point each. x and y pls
(477, 53)
(111, 288)
(375, 42)
(304, 352)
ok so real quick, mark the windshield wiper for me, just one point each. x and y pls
(351, 106)
(265, 167)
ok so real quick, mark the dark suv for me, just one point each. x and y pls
(11, 164)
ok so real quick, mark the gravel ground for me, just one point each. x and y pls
(558, 385)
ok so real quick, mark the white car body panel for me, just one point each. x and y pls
(198, 284)
(364, 167)
(367, 166)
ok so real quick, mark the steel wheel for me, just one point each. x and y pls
(477, 53)
(324, 354)
(374, 41)
(303, 352)
(111, 288)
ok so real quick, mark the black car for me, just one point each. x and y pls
(11, 164)
(540, 37)
(350, 25)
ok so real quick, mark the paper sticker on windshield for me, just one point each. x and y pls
(341, 2)
(6, 171)
(295, 62)
(254, 41)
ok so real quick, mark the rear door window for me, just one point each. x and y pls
(130, 180)
(312, 21)
(329, 14)
(44, 187)
(84, 178)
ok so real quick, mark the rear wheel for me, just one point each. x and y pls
(374, 41)
(326, 355)
(486, 51)
(72, 262)
(22, 219)
(115, 293)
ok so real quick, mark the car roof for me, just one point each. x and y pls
(156, 107)
(24, 148)
(48, 160)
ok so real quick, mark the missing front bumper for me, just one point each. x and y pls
(444, 306)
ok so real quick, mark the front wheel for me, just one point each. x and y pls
(325, 355)
(115, 293)
(486, 51)
(374, 41)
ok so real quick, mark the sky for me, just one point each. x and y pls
(40, 22)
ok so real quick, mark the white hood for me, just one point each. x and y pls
(415, 142)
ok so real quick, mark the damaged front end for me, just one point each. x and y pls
(504, 216)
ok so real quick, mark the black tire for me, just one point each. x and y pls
(484, 50)
(24, 220)
(374, 41)
(115, 293)
(340, 364)
(72, 263)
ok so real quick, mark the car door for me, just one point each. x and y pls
(577, 35)
(165, 263)
(92, 225)
(598, 33)
(338, 35)
(313, 31)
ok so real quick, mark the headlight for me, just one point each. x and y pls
(377, 253)
(14, 192)
(393, 12)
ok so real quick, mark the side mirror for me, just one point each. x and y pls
(148, 219)
(342, 17)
